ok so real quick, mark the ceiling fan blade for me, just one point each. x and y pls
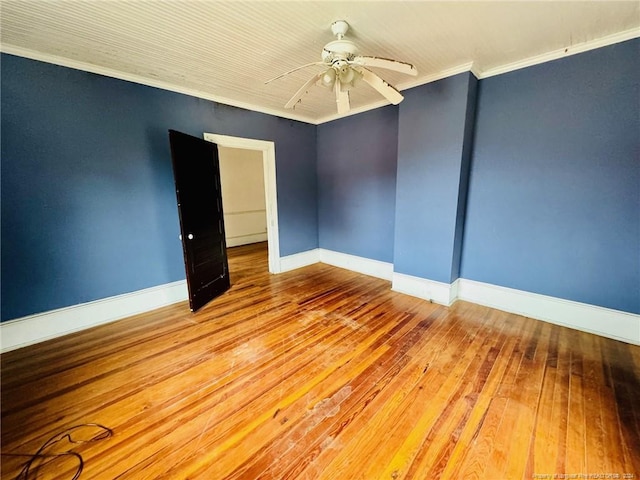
(380, 85)
(342, 98)
(386, 63)
(304, 89)
(294, 70)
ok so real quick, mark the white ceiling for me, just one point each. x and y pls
(225, 51)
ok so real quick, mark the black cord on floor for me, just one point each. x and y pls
(29, 470)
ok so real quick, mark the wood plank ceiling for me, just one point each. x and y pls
(225, 51)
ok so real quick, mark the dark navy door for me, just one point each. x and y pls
(196, 170)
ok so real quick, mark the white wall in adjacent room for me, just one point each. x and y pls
(243, 196)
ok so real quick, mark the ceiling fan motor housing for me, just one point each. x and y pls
(339, 50)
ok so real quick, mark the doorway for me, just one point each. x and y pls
(270, 188)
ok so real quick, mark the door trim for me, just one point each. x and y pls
(268, 150)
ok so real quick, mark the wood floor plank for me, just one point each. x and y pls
(291, 404)
(426, 448)
(575, 456)
(594, 381)
(368, 376)
(324, 373)
(364, 416)
(435, 456)
(624, 395)
(469, 449)
(407, 398)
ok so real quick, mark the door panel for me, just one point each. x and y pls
(196, 171)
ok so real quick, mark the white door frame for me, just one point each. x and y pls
(268, 150)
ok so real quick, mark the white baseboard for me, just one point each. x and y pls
(602, 321)
(299, 260)
(246, 239)
(367, 266)
(55, 323)
(606, 322)
(437, 292)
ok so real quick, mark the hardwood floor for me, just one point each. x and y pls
(322, 373)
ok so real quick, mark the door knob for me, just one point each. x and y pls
(190, 236)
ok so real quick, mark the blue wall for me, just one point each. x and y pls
(554, 197)
(88, 201)
(553, 205)
(435, 132)
(356, 183)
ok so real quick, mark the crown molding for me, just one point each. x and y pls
(480, 73)
(472, 67)
(109, 72)
(560, 53)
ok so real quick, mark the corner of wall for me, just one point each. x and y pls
(299, 260)
(465, 173)
(435, 292)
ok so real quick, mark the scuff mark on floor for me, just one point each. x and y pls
(250, 351)
(328, 407)
(329, 318)
(330, 443)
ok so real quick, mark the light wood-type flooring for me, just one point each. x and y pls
(322, 373)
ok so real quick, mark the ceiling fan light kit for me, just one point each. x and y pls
(345, 68)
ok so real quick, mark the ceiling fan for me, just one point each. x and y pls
(345, 67)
